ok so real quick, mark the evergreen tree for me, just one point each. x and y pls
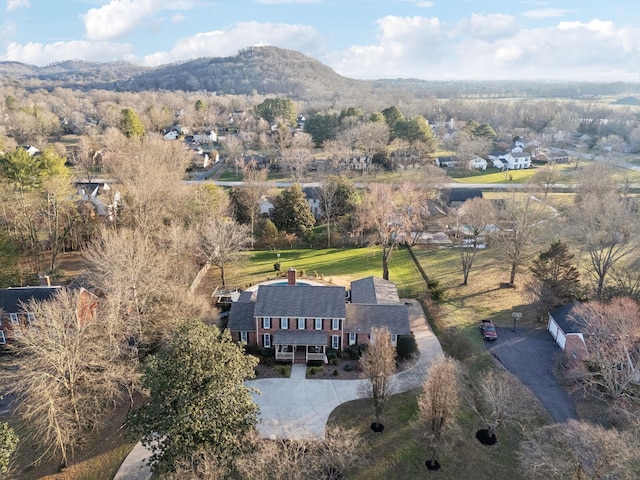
(198, 399)
(291, 212)
(130, 123)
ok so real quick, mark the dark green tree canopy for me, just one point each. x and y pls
(278, 109)
(560, 278)
(242, 205)
(291, 211)
(482, 130)
(130, 123)
(322, 127)
(198, 399)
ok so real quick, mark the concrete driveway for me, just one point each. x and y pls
(529, 354)
(295, 407)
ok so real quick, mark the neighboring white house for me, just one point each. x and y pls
(205, 137)
(478, 163)
(172, 135)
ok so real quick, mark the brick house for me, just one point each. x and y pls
(301, 321)
(14, 304)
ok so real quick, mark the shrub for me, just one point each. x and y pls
(435, 291)
(334, 361)
(406, 347)
(284, 370)
(348, 367)
(456, 345)
(335, 372)
(313, 370)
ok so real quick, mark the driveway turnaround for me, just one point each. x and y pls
(297, 407)
(529, 354)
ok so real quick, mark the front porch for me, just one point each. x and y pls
(300, 345)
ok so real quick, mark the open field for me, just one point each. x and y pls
(336, 265)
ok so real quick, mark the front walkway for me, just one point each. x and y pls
(296, 407)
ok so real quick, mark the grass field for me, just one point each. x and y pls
(337, 265)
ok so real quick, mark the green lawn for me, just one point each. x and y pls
(336, 265)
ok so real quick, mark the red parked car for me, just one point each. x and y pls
(488, 330)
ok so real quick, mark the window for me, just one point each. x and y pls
(30, 317)
(2, 339)
(302, 323)
(318, 324)
(335, 324)
(14, 318)
(243, 336)
(284, 323)
(335, 342)
(266, 323)
(352, 338)
(266, 340)
(394, 339)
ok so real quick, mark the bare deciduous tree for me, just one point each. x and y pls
(498, 398)
(378, 364)
(580, 451)
(519, 221)
(220, 242)
(612, 336)
(71, 372)
(438, 403)
(470, 225)
(607, 227)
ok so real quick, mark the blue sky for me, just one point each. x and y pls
(428, 39)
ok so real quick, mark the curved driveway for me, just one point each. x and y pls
(295, 407)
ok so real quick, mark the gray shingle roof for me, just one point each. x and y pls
(300, 301)
(373, 290)
(566, 318)
(299, 337)
(241, 317)
(10, 298)
(361, 318)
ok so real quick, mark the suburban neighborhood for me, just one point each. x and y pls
(204, 284)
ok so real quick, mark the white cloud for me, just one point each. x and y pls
(43, 54)
(15, 4)
(281, 2)
(421, 47)
(119, 17)
(546, 13)
(221, 43)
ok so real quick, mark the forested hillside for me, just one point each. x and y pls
(277, 71)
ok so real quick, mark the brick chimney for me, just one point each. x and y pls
(45, 281)
(291, 276)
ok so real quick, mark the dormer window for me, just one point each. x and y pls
(14, 318)
(31, 317)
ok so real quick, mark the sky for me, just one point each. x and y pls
(575, 40)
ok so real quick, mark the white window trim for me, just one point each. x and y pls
(3, 339)
(352, 338)
(318, 324)
(284, 323)
(30, 317)
(266, 340)
(302, 323)
(335, 342)
(266, 323)
(14, 318)
(394, 339)
(243, 336)
(335, 324)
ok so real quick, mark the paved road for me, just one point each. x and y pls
(530, 354)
